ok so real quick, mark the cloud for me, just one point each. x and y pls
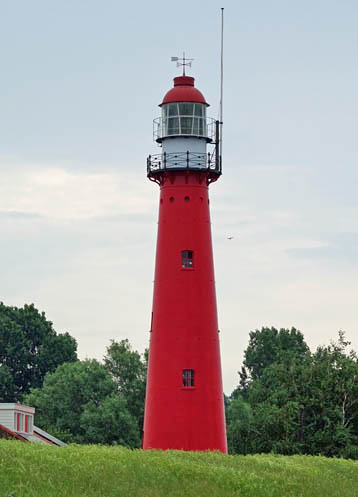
(19, 215)
(63, 195)
(340, 247)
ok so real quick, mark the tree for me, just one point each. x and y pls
(129, 371)
(333, 406)
(29, 348)
(268, 345)
(300, 402)
(240, 429)
(276, 401)
(110, 422)
(80, 403)
(7, 387)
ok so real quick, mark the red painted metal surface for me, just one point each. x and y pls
(184, 334)
(184, 91)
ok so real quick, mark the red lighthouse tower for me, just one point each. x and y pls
(184, 406)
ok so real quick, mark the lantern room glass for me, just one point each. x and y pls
(184, 118)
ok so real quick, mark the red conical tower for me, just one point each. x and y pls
(184, 406)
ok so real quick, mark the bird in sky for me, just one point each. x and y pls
(230, 237)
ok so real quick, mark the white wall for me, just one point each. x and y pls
(7, 418)
(183, 144)
(7, 415)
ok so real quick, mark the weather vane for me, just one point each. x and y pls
(182, 62)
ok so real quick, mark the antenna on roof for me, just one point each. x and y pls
(182, 61)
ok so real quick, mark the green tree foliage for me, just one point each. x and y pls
(7, 386)
(129, 371)
(110, 422)
(29, 348)
(80, 402)
(240, 429)
(269, 345)
(300, 402)
(333, 407)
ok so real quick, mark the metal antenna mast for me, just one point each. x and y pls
(221, 82)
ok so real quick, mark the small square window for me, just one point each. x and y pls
(188, 377)
(187, 258)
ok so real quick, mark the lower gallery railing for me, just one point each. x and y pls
(182, 160)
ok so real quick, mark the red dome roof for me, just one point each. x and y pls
(184, 91)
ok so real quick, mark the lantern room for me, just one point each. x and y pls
(183, 131)
(184, 118)
(184, 113)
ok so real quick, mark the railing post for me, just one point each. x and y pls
(208, 161)
(148, 164)
(165, 160)
(187, 159)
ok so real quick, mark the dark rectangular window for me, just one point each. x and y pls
(188, 377)
(187, 258)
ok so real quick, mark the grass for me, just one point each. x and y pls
(30, 470)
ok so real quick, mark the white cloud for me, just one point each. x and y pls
(60, 194)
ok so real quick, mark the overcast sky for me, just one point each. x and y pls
(79, 87)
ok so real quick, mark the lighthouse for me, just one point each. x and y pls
(184, 406)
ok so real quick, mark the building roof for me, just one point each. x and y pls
(184, 91)
(6, 433)
(38, 436)
(17, 423)
(46, 436)
(14, 406)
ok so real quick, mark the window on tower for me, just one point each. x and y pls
(173, 126)
(187, 258)
(172, 110)
(184, 118)
(188, 377)
(186, 125)
(186, 109)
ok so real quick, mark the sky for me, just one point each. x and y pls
(79, 87)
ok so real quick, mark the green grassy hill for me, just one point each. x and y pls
(29, 470)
